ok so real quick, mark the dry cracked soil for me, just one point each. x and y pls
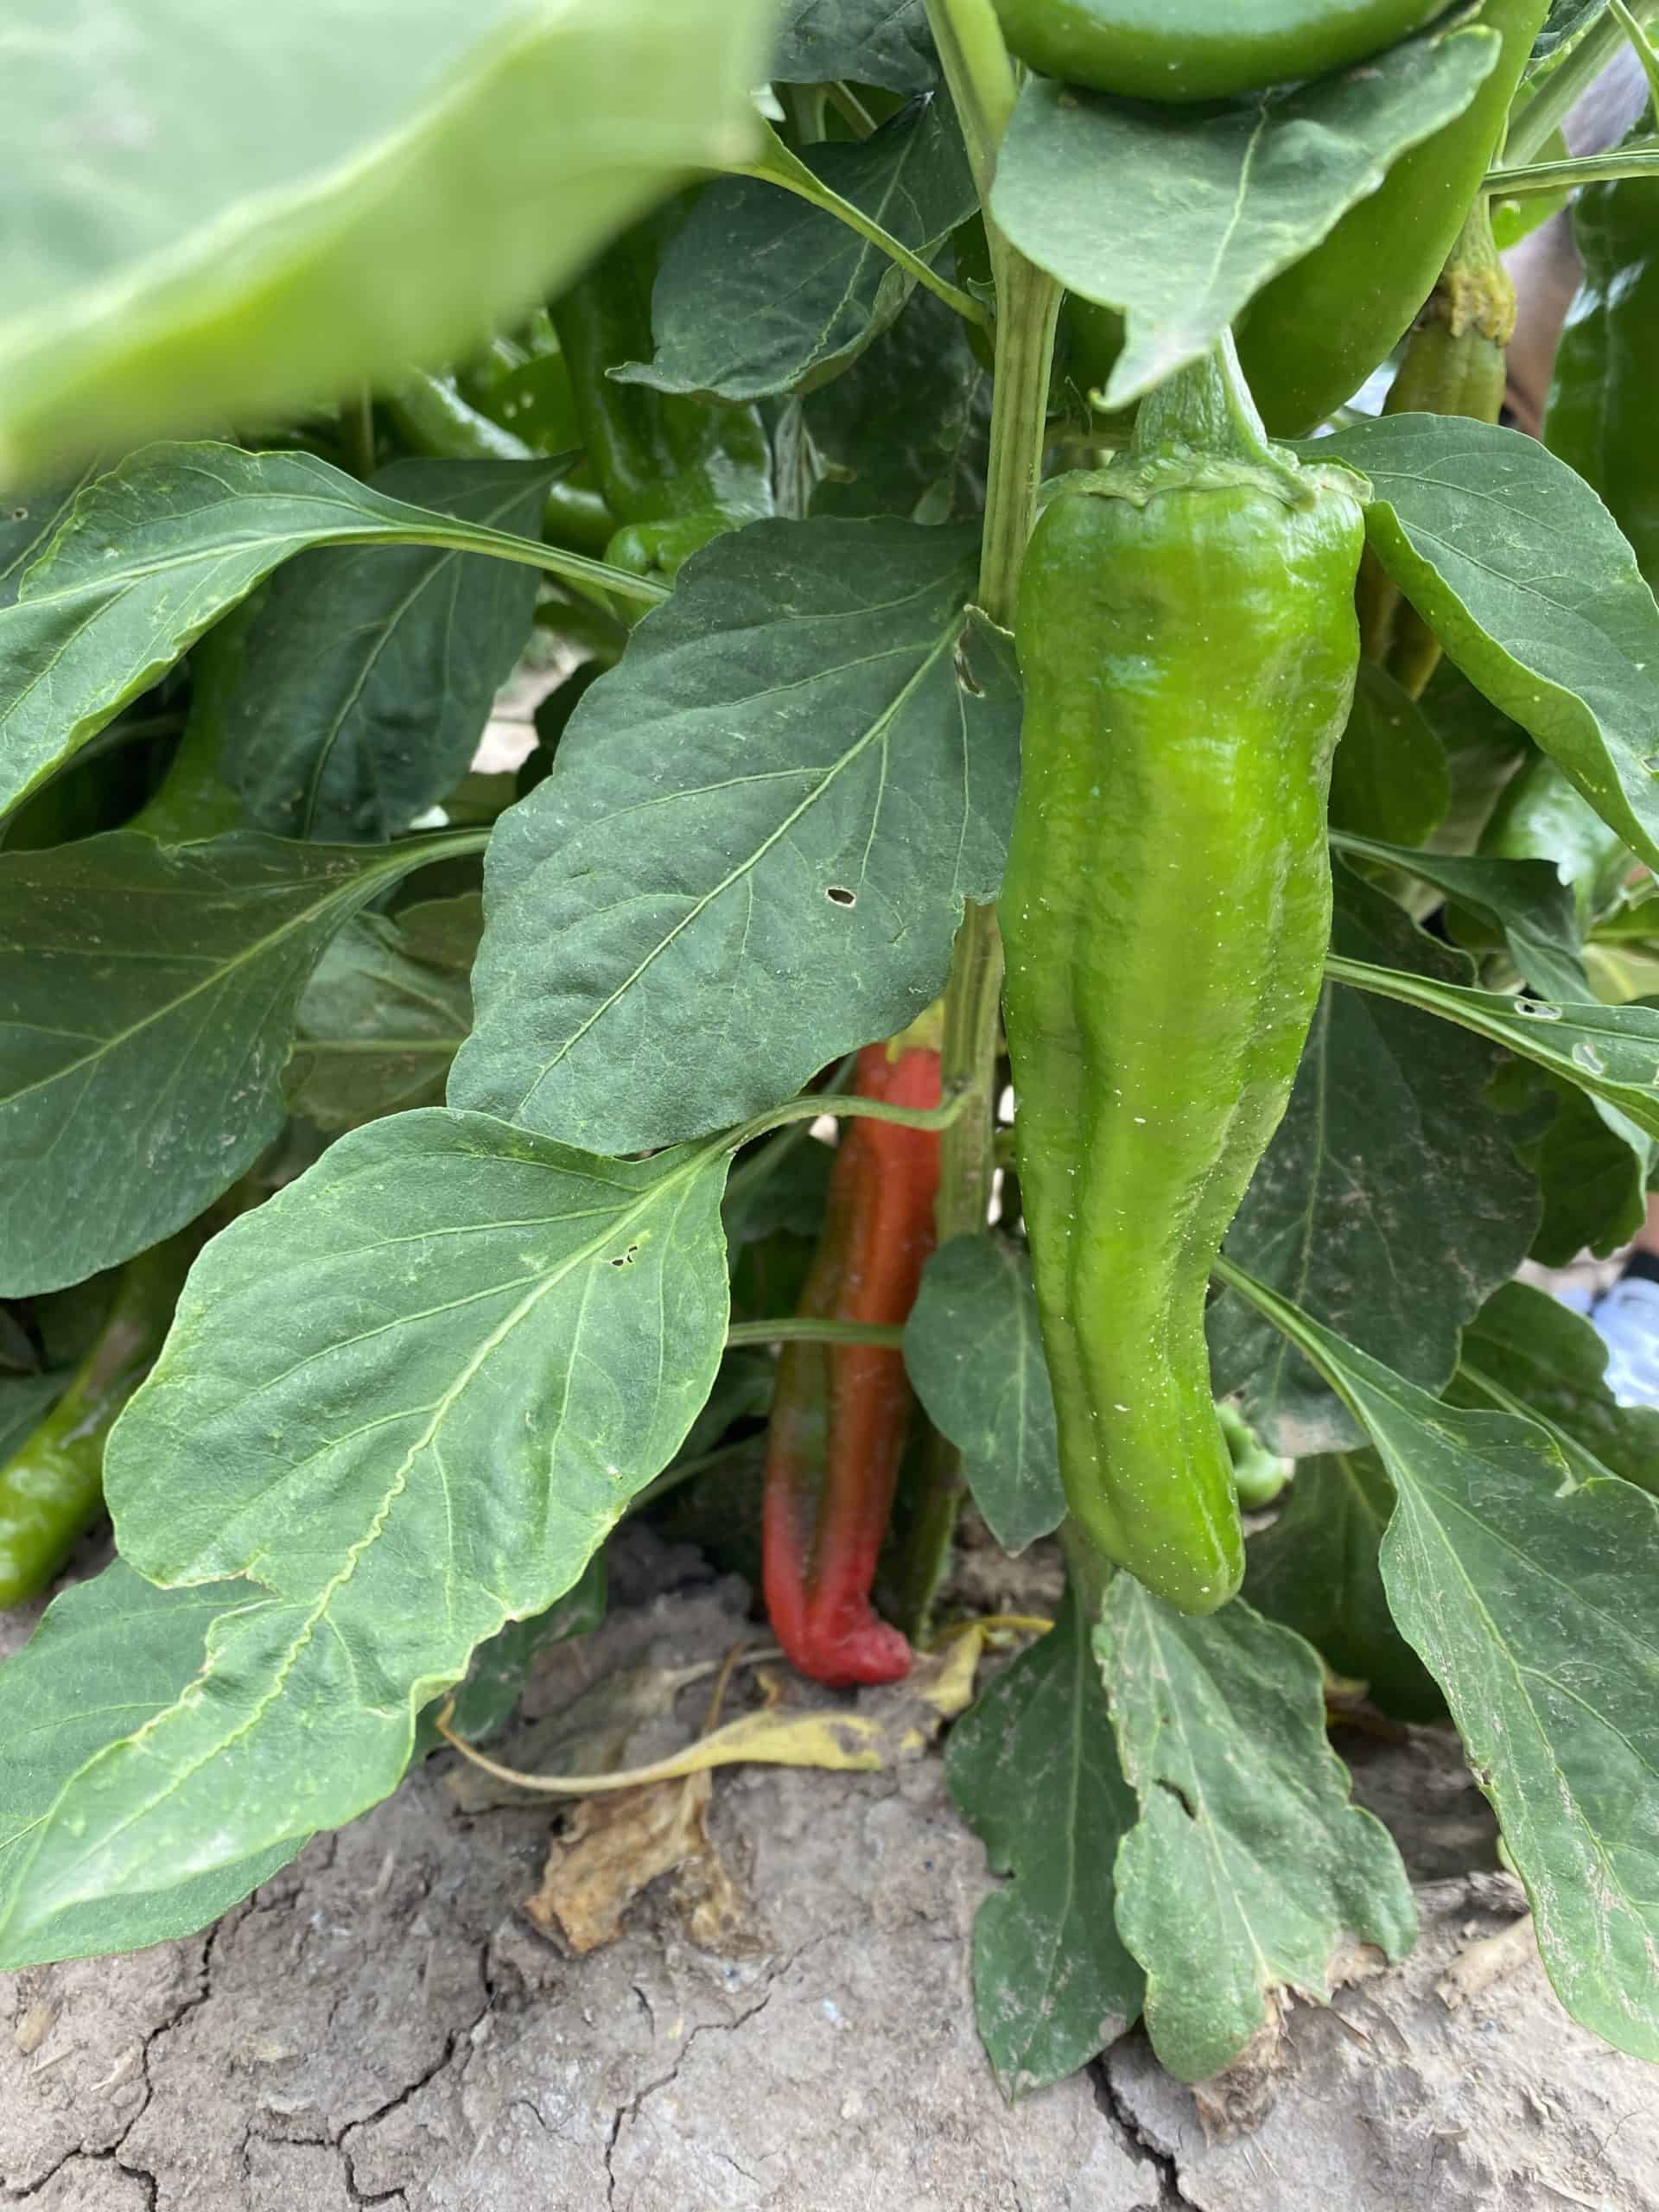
(384, 2024)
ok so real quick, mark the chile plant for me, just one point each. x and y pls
(954, 681)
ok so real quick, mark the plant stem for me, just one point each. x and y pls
(980, 76)
(357, 428)
(806, 1328)
(1585, 168)
(815, 1103)
(1560, 93)
(981, 82)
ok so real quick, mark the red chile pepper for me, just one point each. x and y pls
(841, 1412)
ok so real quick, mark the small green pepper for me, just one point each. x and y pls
(1259, 1475)
(430, 415)
(675, 472)
(52, 1487)
(1179, 50)
(1187, 636)
(1313, 336)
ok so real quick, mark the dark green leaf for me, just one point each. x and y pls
(249, 234)
(109, 1654)
(495, 1681)
(150, 555)
(1316, 1570)
(1248, 1871)
(1525, 900)
(1593, 1165)
(973, 1353)
(408, 1398)
(1034, 1772)
(905, 431)
(1535, 1601)
(883, 42)
(1521, 572)
(147, 1004)
(762, 294)
(25, 1399)
(365, 675)
(1526, 1351)
(1227, 197)
(385, 1012)
(751, 851)
(1389, 779)
(1389, 1202)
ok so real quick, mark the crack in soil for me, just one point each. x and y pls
(1172, 2197)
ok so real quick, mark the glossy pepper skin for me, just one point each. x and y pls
(841, 1411)
(675, 472)
(1188, 644)
(52, 1487)
(1601, 412)
(1313, 336)
(1180, 50)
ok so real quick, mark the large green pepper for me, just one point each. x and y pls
(1314, 334)
(1187, 638)
(1600, 416)
(52, 1487)
(675, 472)
(1201, 49)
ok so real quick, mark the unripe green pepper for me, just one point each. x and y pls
(1313, 336)
(1187, 638)
(1259, 1476)
(52, 1487)
(1179, 50)
(675, 472)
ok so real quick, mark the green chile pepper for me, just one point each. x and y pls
(1313, 336)
(1600, 416)
(1187, 638)
(675, 472)
(52, 1487)
(1179, 50)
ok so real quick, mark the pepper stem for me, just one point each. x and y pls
(1205, 407)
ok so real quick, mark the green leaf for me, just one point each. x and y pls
(1526, 1351)
(1593, 1167)
(1316, 1571)
(29, 523)
(905, 430)
(408, 1397)
(762, 294)
(1612, 1052)
(884, 42)
(1535, 1601)
(148, 996)
(109, 1655)
(1239, 193)
(1390, 1200)
(25, 1399)
(1389, 779)
(975, 1357)
(150, 555)
(1033, 1770)
(1521, 572)
(751, 851)
(1525, 901)
(1247, 1870)
(385, 1012)
(364, 677)
(257, 235)
(495, 1681)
